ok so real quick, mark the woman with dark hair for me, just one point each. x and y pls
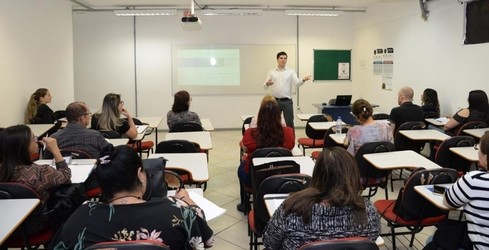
(175, 221)
(430, 104)
(17, 143)
(478, 110)
(369, 130)
(109, 118)
(268, 133)
(332, 207)
(180, 110)
(38, 112)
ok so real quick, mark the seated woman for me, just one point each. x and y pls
(470, 192)
(369, 130)
(179, 112)
(38, 112)
(266, 98)
(478, 110)
(430, 104)
(109, 118)
(175, 221)
(268, 133)
(17, 143)
(331, 208)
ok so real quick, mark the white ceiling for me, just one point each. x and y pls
(119, 4)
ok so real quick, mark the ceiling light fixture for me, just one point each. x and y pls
(147, 12)
(232, 12)
(322, 13)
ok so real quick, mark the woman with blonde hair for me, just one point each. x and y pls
(266, 98)
(109, 118)
(332, 207)
(38, 112)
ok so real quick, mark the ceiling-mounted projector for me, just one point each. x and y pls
(191, 23)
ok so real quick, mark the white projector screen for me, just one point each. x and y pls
(225, 69)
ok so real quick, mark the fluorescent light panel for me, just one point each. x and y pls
(232, 12)
(148, 12)
(325, 13)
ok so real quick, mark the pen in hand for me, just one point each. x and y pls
(44, 145)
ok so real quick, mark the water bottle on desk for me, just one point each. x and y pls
(338, 125)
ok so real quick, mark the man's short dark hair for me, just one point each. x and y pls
(281, 53)
(75, 110)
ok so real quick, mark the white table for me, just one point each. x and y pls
(153, 122)
(118, 141)
(80, 168)
(476, 132)
(273, 201)
(39, 129)
(306, 163)
(203, 138)
(439, 122)
(338, 138)
(18, 210)
(305, 117)
(425, 135)
(436, 199)
(399, 159)
(323, 125)
(194, 163)
(207, 124)
(468, 153)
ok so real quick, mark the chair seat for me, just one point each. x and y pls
(94, 192)
(145, 145)
(311, 143)
(386, 210)
(40, 238)
(251, 222)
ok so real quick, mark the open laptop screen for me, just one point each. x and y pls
(343, 100)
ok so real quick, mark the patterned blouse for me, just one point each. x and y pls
(168, 220)
(361, 134)
(290, 232)
(173, 118)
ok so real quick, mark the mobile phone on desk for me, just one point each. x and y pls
(439, 189)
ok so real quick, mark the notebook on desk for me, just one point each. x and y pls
(342, 100)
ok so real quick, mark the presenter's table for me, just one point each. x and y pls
(335, 111)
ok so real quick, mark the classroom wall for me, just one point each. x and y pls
(105, 59)
(36, 44)
(427, 54)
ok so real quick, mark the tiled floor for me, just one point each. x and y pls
(230, 230)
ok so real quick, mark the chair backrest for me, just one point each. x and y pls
(129, 245)
(156, 181)
(404, 143)
(448, 159)
(246, 121)
(271, 152)
(186, 127)
(58, 114)
(471, 125)
(354, 243)
(75, 153)
(312, 133)
(276, 184)
(380, 116)
(110, 134)
(416, 205)
(16, 190)
(367, 170)
(176, 146)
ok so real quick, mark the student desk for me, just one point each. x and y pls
(118, 141)
(18, 209)
(425, 135)
(476, 132)
(399, 159)
(468, 153)
(273, 201)
(80, 168)
(439, 122)
(194, 163)
(203, 138)
(323, 125)
(39, 129)
(153, 123)
(436, 199)
(338, 138)
(211, 210)
(335, 111)
(306, 163)
(206, 124)
(304, 117)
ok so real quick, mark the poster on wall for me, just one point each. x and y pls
(377, 60)
(387, 68)
(343, 70)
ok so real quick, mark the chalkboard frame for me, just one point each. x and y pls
(326, 64)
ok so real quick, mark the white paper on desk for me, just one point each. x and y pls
(442, 120)
(211, 210)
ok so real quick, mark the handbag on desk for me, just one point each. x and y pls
(155, 184)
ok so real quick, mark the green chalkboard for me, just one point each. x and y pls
(332, 65)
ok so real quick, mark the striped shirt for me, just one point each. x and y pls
(472, 192)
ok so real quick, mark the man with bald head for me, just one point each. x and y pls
(407, 110)
(76, 135)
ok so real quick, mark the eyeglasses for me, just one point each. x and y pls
(476, 146)
(89, 114)
(121, 102)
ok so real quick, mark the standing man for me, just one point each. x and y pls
(407, 110)
(280, 80)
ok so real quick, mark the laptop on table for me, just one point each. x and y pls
(341, 100)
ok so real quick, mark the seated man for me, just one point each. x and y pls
(76, 135)
(407, 110)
